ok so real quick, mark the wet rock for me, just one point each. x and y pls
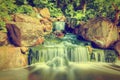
(60, 18)
(59, 34)
(3, 38)
(40, 40)
(11, 57)
(100, 31)
(117, 47)
(47, 25)
(24, 34)
(24, 50)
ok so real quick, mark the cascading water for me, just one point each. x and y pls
(68, 47)
(70, 59)
(73, 53)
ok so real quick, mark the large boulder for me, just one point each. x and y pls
(3, 38)
(24, 34)
(100, 31)
(11, 57)
(25, 18)
(25, 30)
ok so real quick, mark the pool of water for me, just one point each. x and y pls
(82, 71)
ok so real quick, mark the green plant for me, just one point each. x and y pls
(97, 8)
(25, 9)
(51, 5)
(52, 8)
(2, 26)
(21, 2)
(40, 3)
(8, 7)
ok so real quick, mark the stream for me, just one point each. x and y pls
(67, 59)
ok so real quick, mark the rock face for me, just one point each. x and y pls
(117, 47)
(119, 32)
(25, 18)
(24, 34)
(26, 30)
(45, 13)
(3, 38)
(11, 57)
(100, 31)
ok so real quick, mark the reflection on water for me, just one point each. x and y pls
(83, 71)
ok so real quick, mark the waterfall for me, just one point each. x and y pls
(69, 48)
(69, 59)
(73, 53)
(98, 55)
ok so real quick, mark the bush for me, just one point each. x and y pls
(8, 7)
(25, 9)
(2, 26)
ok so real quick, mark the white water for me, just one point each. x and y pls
(68, 61)
(72, 52)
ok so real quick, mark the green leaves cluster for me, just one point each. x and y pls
(51, 5)
(8, 7)
(102, 8)
(70, 12)
(94, 8)
(25, 9)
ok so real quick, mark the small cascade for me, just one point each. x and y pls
(98, 55)
(73, 53)
(70, 48)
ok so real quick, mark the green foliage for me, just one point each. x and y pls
(21, 2)
(2, 26)
(40, 3)
(101, 8)
(54, 10)
(25, 9)
(8, 7)
(70, 12)
(94, 8)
